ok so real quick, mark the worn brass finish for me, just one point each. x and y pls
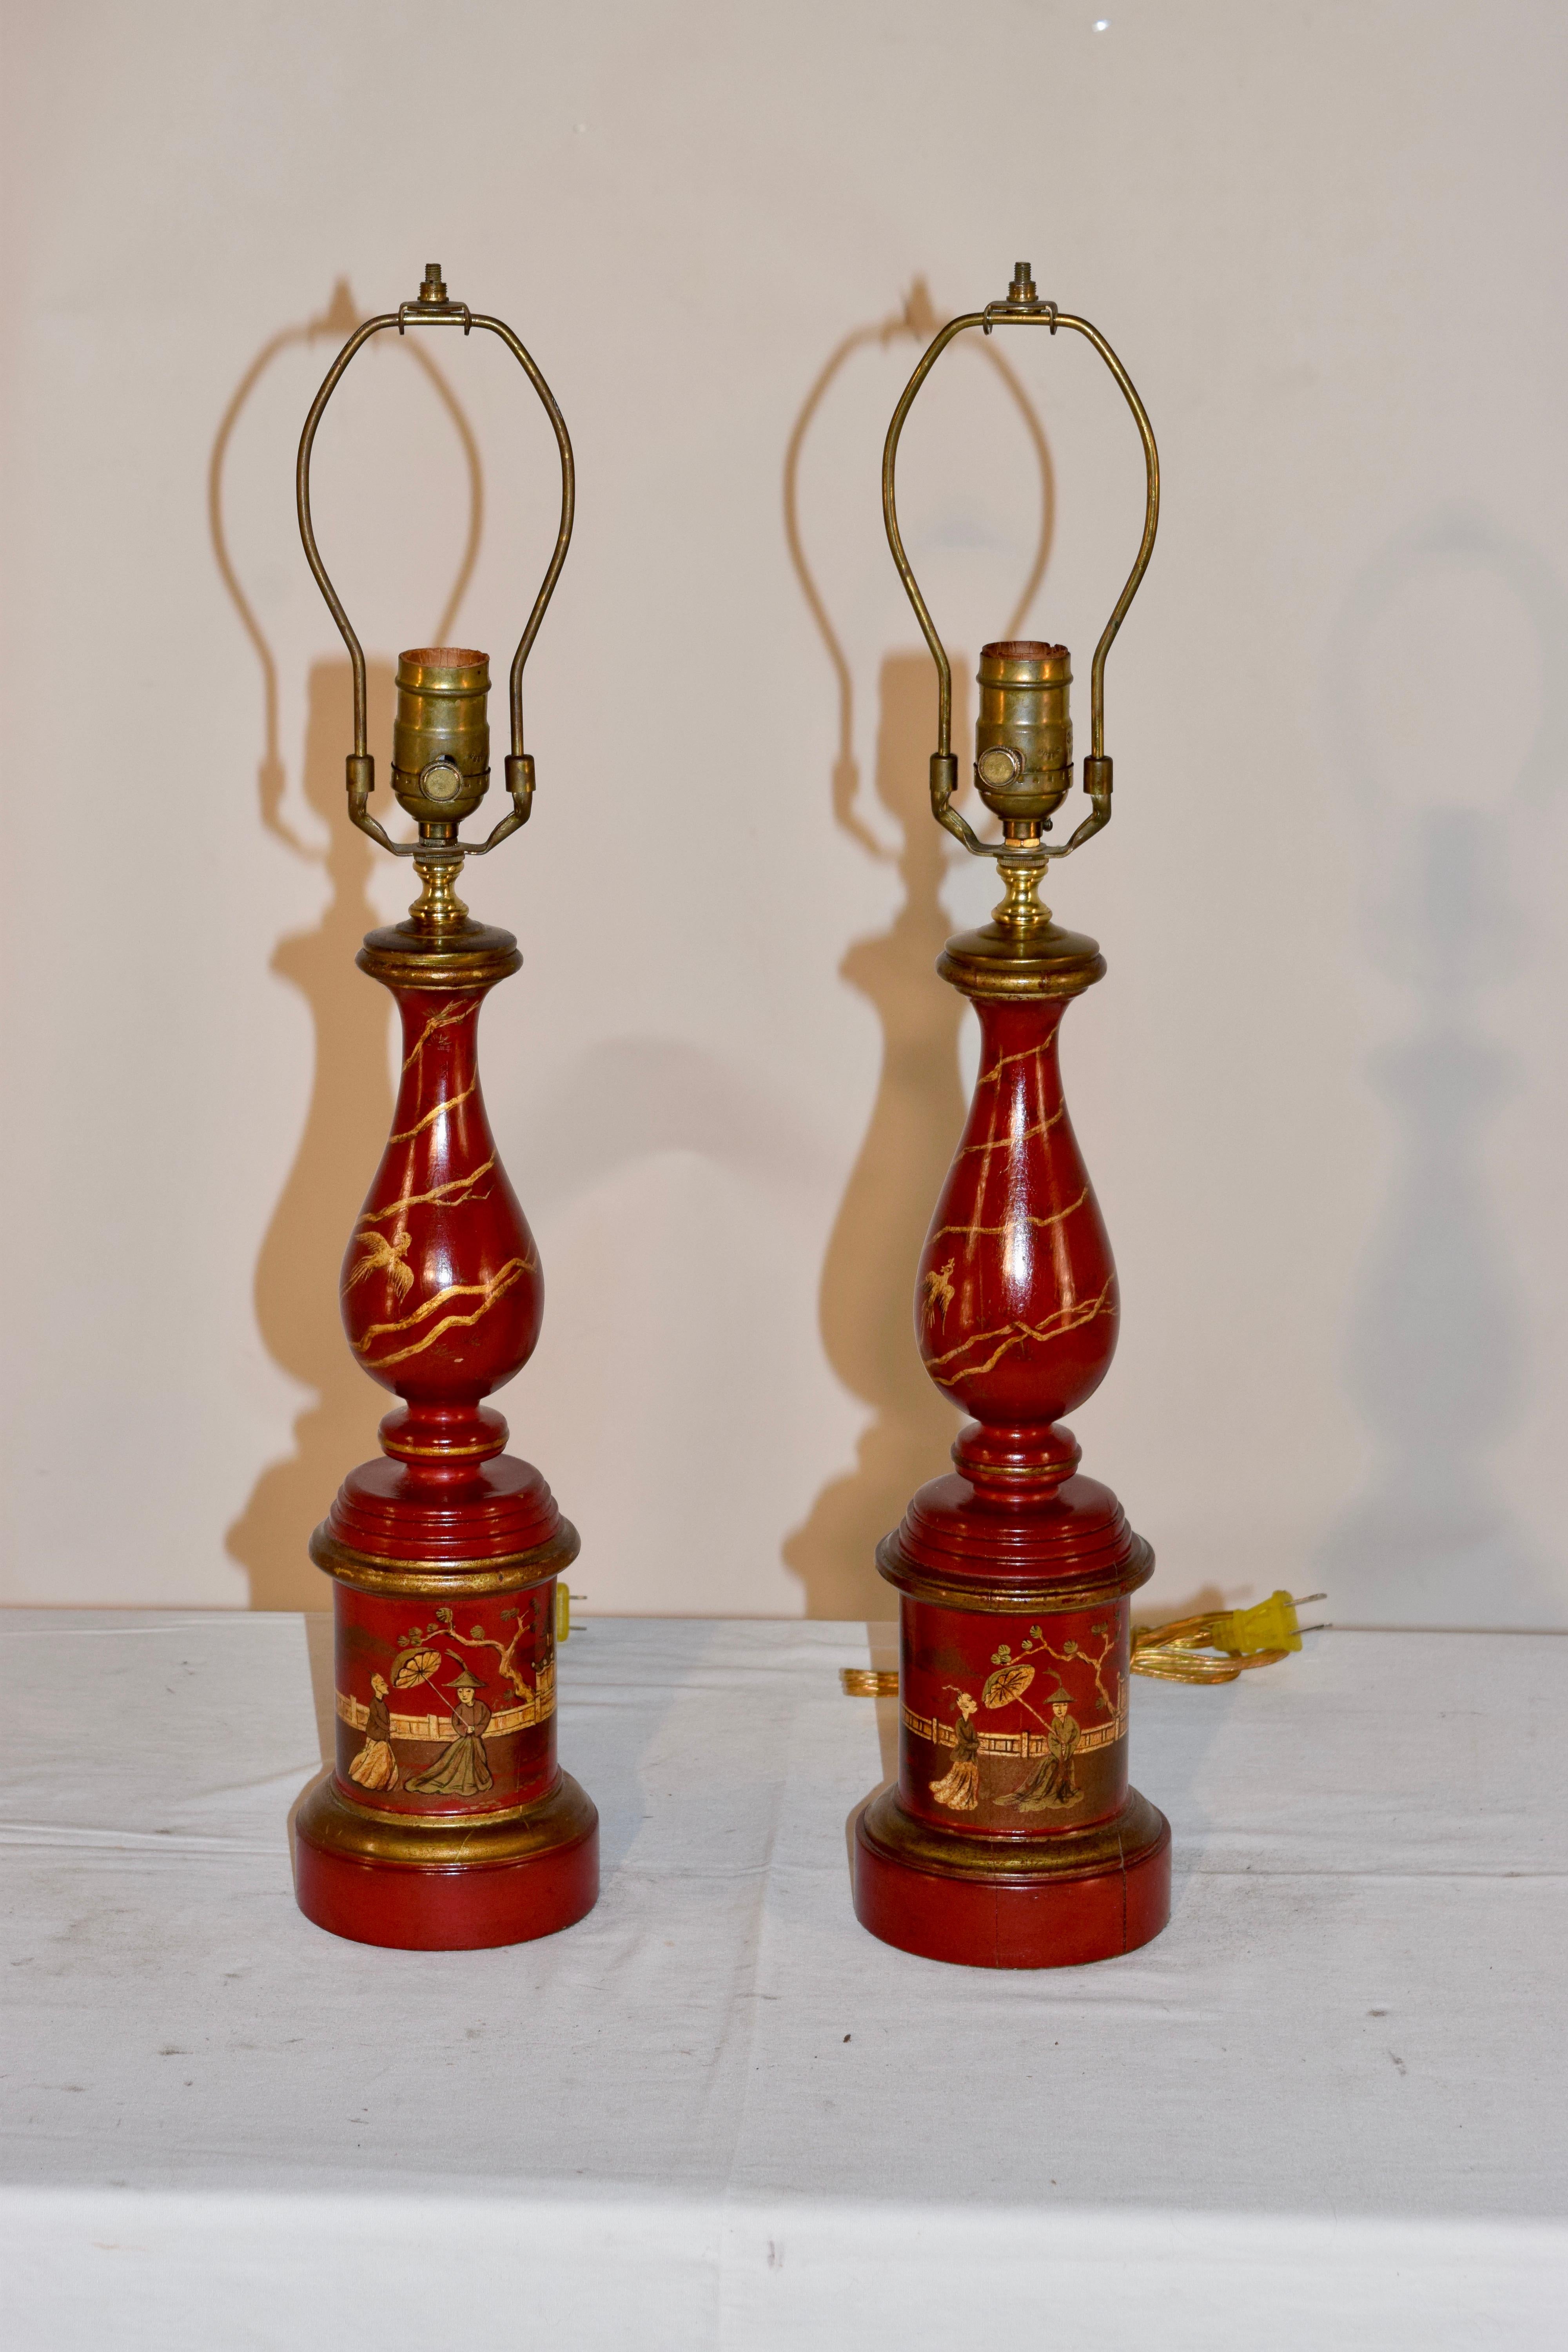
(1018, 758)
(1003, 964)
(441, 736)
(441, 733)
(335, 1824)
(1021, 952)
(1023, 738)
(475, 955)
(493, 1818)
(441, 1579)
(437, 911)
(1008, 1597)
(1120, 1842)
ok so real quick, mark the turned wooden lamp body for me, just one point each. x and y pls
(1012, 1838)
(448, 1820)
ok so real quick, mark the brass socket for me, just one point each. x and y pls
(1023, 737)
(441, 733)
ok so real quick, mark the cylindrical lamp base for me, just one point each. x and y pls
(475, 1884)
(984, 1903)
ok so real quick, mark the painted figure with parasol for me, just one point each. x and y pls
(462, 1768)
(1051, 1785)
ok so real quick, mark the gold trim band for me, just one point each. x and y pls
(356, 1713)
(443, 1452)
(334, 1824)
(403, 962)
(989, 965)
(437, 1825)
(996, 1598)
(1128, 1837)
(1018, 1743)
(441, 1579)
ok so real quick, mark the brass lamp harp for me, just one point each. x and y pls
(1022, 765)
(440, 756)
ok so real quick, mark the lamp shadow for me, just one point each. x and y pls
(1437, 1351)
(865, 1301)
(350, 1109)
(346, 1124)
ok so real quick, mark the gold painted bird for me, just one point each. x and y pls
(940, 1292)
(382, 1257)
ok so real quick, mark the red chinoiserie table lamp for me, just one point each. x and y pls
(1012, 1838)
(447, 1822)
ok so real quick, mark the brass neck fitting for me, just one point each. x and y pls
(1021, 910)
(438, 908)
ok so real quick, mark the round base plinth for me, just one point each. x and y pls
(427, 1886)
(990, 1903)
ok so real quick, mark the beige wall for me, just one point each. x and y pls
(1323, 1087)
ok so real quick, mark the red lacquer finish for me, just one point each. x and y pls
(465, 1909)
(442, 1294)
(397, 1684)
(1016, 1305)
(1012, 1838)
(447, 1822)
(1006, 1724)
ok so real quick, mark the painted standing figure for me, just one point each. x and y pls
(462, 1768)
(1051, 1784)
(959, 1788)
(375, 1767)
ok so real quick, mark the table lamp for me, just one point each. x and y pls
(447, 1822)
(1012, 1838)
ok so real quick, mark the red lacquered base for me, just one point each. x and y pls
(967, 1900)
(481, 1885)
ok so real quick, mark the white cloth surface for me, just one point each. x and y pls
(1326, 2105)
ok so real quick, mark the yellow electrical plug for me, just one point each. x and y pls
(1185, 1651)
(1271, 1625)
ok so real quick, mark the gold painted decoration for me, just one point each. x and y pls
(959, 1788)
(1006, 1685)
(417, 1668)
(1108, 1702)
(1061, 1740)
(442, 1626)
(376, 1766)
(1023, 1744)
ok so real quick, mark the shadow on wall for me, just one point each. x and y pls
(1437, 1356)
(864, 1303)
(351, 1102)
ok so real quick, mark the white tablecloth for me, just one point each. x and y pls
(1326, 2107)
